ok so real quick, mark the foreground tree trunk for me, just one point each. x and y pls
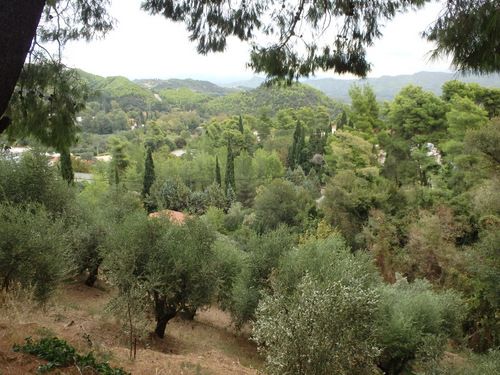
(93, 269)
(18, 23)
(163, 314)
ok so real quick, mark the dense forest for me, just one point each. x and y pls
(358, 238)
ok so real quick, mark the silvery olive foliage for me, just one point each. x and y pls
(322, 328)
(323, 322)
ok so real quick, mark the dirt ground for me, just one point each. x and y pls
(77, 314)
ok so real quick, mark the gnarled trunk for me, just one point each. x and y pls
(18, 23)
(163, 314)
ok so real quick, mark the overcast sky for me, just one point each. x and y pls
(144, 46)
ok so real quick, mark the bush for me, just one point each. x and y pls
(263, 253)
(180, 142)
(415, 323)
(31, 249)
(32, 180)
(320, 322)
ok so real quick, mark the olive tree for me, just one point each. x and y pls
(415, 323)
(32, 249)
(320, 316)
(261, 255)
(31, 180)
(174, 265)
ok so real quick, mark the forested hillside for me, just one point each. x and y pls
(274, 98)
(354, 239)
(201, 87)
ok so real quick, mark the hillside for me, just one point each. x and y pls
(77, 315)
(386, 87)
(248, 96)
(275, 98)
(205, 97)
(128, 94)
(200, 87)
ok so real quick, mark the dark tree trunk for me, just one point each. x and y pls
(18, 23)
(163, 314)
(93, 272)
(188, 313)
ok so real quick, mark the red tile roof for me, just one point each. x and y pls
(174, 216)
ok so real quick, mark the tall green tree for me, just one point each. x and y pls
(469, 33)
(296, 48)
(321, 314)
(261, 255)
(33, 22)
(45, 104)
(173, 265)
(66, 167)
(240, 125)
(120, 159)
(486, 140)
(264, 123)
(244, 170)
(297, 155)
(149, 174)
(32, 180)
(32, 249)
(416, 119)
(364, 110)
(229, 178)
(218, 178)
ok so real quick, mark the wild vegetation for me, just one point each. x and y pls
(348, 239)
(354, 239)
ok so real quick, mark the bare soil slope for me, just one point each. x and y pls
(76, 314)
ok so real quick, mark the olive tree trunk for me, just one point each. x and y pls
(163, 313)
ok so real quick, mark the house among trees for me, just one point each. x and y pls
(175, 217)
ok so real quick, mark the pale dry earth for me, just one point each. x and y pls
(206, 346)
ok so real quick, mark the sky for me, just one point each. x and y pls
(145, 46)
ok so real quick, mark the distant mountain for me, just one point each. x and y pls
(199, 87)
(128, 94)
(252, 83)
(248, 96)
(203, 96)
(385, 87)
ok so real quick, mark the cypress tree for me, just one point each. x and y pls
(301, 151)
(116, 175)
(149, 174)
(218, 178)
(240, 125)
(229, 180)
(66, 167)
(297, 154)
(342, 121)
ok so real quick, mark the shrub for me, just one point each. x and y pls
(415, 323)
(321, 315)
(31, 249)
(60, 354)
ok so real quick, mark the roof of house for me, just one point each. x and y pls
(174, 216)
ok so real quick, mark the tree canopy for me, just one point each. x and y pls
(294, 32)
(468, 32)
